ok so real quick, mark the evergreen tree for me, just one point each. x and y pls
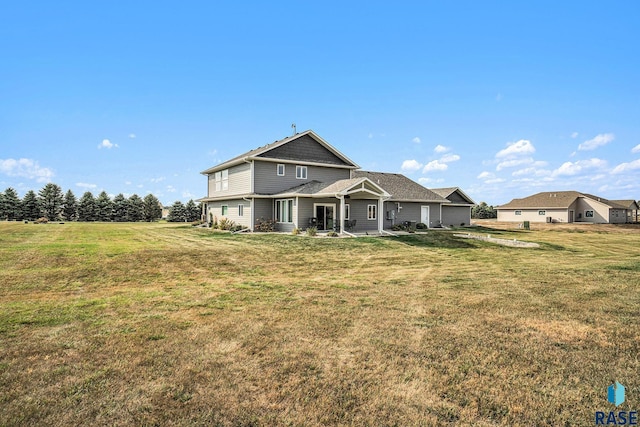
(12, 205)
(87, 207)
(3, 216)
(120, 208)
(51, 199)
(177, 213)
(152, 208)
(135, 208)
(70, 206)
(483, 211)
(193, 211)
(30, 206)
(104, 207)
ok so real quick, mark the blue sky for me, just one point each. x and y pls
(499, 98)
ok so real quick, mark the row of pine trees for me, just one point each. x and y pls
(51, 203)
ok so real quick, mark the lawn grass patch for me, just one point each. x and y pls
(154, 324)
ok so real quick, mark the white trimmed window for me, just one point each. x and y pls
(225, 210)
(518, 212)
(222, 180)
(347, 211)
(240, 210)
(225, 179)
(280, 169)
(372, 212)
(301, 172)
(542, 212)
(284, 210)
(588, 214)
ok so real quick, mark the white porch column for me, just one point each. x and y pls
(380, 215)
(341, 216)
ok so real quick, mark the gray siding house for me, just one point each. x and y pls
(458, 211)
(303, 181)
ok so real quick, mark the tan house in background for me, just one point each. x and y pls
(566, 206)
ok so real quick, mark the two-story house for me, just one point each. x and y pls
(303, 181)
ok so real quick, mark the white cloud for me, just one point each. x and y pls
(132, 135)
(441, 149)
(636, 149)
(107, 144)
(598, 141)
(435, 165)
(486, 175)
(416, 140)
(411, 165)
(574, 135)
(430, 180)
(25, 168)
(531, 171)
(513, 163)
(574, 168)
(448, 158)
(171, 189)
(494, 181)
(188, 194)
(160, 179)
(85, 185)
(499, 97)
(370, 136)
(516, 149)
(624, 167)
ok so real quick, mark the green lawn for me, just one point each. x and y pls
(162, 324)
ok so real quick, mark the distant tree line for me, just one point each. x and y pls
(51, 203)
(483, 211)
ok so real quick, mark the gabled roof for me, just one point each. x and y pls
(401, 188)
(627, 204)
(555, 199)
(261, 152)
(340, 187)
(448, 192)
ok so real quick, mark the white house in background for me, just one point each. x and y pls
(563, 206)
(303, 181)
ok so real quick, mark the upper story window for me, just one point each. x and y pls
(301, 172)
(222, 180)
(280, 169)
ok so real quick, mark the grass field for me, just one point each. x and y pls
(158, 324)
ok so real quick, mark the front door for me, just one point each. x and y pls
(424, 215)
(326, 216)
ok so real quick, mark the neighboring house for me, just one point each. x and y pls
(458, 211)
(632, 207)
(303, 181)
(563, 206)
